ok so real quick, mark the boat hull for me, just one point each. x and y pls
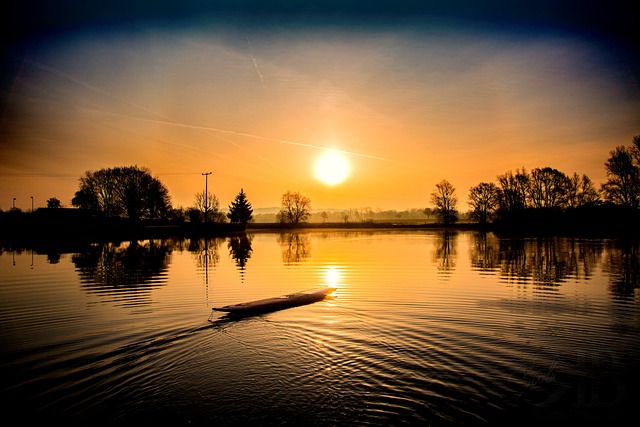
(277, 303)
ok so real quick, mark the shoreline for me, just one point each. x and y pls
(70, 227)
(31, 233)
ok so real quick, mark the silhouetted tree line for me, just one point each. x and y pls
(544, 199)
(548, 198)
(133, 192)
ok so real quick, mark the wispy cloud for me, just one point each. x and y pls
(162, 119)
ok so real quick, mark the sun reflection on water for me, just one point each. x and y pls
(332, 276)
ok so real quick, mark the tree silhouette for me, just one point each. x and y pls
(623, 172)
(194, 215)
(445, 202)
(142, 195)
(582, 192)
(54, 203)
(97, 192)
(548, 188)
(209, 205)
(130, 191)
(513, 190)
(295, 208)
(483, 199)
(240, 210)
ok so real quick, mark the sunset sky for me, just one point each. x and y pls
(256, 94)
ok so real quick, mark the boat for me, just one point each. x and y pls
(277, 303)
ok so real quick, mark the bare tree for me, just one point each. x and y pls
(483, 199)
(428, 212)
(513, 190)
(209, 205)
(97, 192)
(295, 208)
(581, 192)
(623, 172)
(445, 201)
(548, 188)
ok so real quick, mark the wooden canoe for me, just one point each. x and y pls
(277, 303)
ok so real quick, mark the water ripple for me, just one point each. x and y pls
(417, 335)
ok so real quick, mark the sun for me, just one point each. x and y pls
(332, 168)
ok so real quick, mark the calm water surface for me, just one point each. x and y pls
(426, 328)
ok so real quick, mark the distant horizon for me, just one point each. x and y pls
(267, 210)
(41, 204)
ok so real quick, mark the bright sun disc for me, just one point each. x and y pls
(332, 168)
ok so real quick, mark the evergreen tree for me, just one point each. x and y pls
(240, 210)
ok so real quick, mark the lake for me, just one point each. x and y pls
(425, 328)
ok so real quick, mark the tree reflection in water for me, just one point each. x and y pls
(542, 262)
(623, 265)
(445, 251)
(483, 251)
(295, 247)
(240, 250)
(545, 261)
(123, 267)
(549, 262)
(207, 254)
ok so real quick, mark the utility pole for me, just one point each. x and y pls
(206, 196)
(31, 203)
(14, 203)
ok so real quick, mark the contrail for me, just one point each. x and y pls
(255, 63)
(81, 83)
(168, 121)
(237, 133)
(265, 138)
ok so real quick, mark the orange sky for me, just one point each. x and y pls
(410, 103)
